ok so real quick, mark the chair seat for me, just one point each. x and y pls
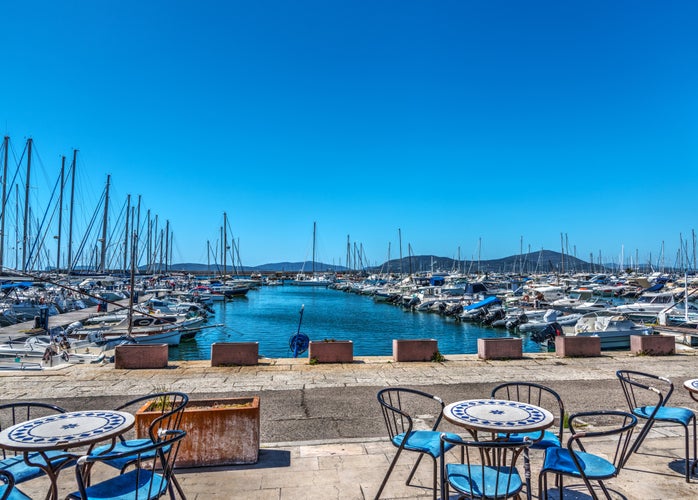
(549, 440)
(666, 414)
(484, 481)
(131, 445)
(425, 442)
(15, 494)
(21, 471)
(559, 460)
(125, 487)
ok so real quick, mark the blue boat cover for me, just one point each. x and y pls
(20, 284)
(488, 301)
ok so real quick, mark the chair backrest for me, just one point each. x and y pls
(486, 469)
(644, 389)
(168, 407)
(535, 394)
(613, 422)
(151, 477)
(18, 412)
(401, 406)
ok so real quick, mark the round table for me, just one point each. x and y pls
(498, 415)
(692, 387)
(63, 431)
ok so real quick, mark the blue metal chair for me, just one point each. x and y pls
(577, 459)
(170, 408)
(539, 395)
(149, 480)
(14, 462)
(487, 469)
(399, 405)
(7, 488)
(647, 396)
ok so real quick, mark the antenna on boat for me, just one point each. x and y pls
(300, 341)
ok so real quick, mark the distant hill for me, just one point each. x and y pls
(544, 261)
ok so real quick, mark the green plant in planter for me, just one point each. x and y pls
(438, 357)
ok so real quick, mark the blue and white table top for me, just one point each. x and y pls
(691, 385)
(65, 430)
(498, 415)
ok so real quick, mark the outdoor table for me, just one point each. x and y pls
(500, 416)
(63, 431)
(692, 388)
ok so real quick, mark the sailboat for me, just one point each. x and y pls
(303, 279)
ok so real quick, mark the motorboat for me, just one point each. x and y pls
(613, 328)
(647, 306)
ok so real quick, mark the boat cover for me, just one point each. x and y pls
(488, 301)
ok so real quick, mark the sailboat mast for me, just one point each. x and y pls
(314, 228)
(26, 204)
(128, 213)
(103, 253)
(399, 237)
(6, 144)
(167, 245)
(60, 216)
(225, 244)
(72, 204)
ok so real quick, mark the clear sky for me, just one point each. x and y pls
(454, 122)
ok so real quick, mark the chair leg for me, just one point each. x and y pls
(435, 476)
(542, 486)
(688, 455)
(387, 474)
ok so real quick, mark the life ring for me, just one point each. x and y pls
(526, 298)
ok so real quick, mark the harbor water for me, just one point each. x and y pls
(270, 315)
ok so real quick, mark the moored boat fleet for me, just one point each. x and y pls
(542, 307)
(173, 309)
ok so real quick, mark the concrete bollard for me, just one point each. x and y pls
(502, 348)
(414, 349)
(234, 353)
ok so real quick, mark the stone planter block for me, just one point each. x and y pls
(414, 349)
(577, 347)
(134, 356)
(234, 353)
(653, 345)
(504, 348)
(221, 431)
(334, 351)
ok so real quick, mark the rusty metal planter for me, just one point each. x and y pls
(221, 431)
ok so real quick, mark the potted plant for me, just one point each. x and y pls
(221, 431)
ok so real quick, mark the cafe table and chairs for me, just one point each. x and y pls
(39, 438)
(492, 419)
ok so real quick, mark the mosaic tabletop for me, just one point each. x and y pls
(498, 415)
(64, 430)
(691, 385)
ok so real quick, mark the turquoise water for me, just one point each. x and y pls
(270, 316)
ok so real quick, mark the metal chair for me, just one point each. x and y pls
(577, 459)
(14, 462)
(647, 396)
(487, 469)
(400, 407)
(7, 488)
(170, 408)
(539, 395)
(149, 480)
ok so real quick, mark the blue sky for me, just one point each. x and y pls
(452, 121)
